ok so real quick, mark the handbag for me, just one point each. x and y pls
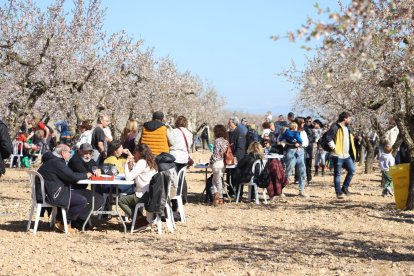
(228, 156)
(190, 160)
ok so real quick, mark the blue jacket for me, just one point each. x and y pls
(291, 137)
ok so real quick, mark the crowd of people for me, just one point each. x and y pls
(306, 145)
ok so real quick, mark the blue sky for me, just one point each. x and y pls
(225, 42)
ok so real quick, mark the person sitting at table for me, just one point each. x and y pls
(141, 167)
(217, 163)
(58, 178)
(82, 162)
(116, 157)
(243, 172)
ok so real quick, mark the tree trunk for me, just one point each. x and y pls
(361, 154)
(410, 199)
(370, 155)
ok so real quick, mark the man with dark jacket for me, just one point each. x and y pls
(310, 148)
(82, 162)
(155, 134)
(58, 178)
(341, 141)
(6, 148)
(237, 137)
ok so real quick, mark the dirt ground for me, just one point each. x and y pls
(362, 235)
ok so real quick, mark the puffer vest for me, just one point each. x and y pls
(156, 140)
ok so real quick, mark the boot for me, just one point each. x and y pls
(323, 170)
(316, 171)
(216, 199)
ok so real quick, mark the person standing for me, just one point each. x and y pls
(309, 151)
(217, 163)
(156, 134)
(386, 160)
(237, 137)
(6, 147)
(341, 140)
(180, 147)
(98, 141)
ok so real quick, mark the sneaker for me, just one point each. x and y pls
(282, 195)
(340, 195)
(346, 191)
(302, 194)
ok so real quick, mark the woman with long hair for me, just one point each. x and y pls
(140, 167)
(217, 163)
(244, 166)
(129, 134)
(179, 148)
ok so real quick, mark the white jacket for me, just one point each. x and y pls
(85, 137)
(385, 161)
(178, 148)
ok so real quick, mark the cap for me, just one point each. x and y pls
(158, 115)
(86, 147)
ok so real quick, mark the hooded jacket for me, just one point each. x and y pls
(58, 178)
(154, 135)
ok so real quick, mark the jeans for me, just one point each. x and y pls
(217, 168)
(320, 158)
(338, 164)
(296, 158)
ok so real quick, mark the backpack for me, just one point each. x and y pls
(251, 136)
(323, 142)
(209, 195)
(263, 179)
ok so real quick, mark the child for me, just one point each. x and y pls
(291, 135)
(386, 160)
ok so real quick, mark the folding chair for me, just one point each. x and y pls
(252, 184)
(178, 197)
(39, 206)
(17, 152)
(169, 218)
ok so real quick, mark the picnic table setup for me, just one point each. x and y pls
(110, 180)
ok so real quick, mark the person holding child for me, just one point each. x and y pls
(295, 142)
(385, 161)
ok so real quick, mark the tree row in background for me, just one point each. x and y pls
(66, 64)
(366, 66)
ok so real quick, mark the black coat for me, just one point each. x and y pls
(77, 164)
(243, 172)
(6, 147)
(58, 178)
(238, 139)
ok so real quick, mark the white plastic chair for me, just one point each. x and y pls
(254, 185)
(178, 197)
(169, 218)
(17, 152)
(32, 179)
(37, 154)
